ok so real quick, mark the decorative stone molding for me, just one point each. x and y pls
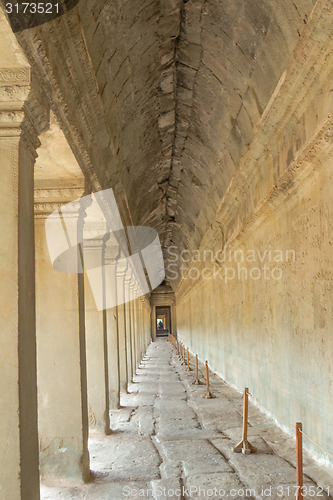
(14, 91)
(49, 200)
(23, 111)
(15, 76)
(38, 59)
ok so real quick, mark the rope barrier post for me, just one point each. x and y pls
(244, 446)
(299, 461)
(183, 355)
(188, 369)
(197, 381)
(208, 394)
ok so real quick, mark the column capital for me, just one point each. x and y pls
(47, 200)
(23, 108)
(111, 255)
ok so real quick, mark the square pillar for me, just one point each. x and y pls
(121, 278)
(113, 357)
(122, 346)
(128, 323)
(139, 331)
(112, 334)
(97, 363)
(61, 367)
(133, 332)
(19, 475)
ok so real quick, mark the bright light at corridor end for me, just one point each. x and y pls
(121, 263)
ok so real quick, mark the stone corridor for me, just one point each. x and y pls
(168, 442)
(166, 165)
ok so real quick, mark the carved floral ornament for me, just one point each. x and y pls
(20, 76)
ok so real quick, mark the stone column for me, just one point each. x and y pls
(122, 345)
(128, 323)
(133, 332)
(112, 335)
(140, 336)
(153, 323)
(137, 332)
(19, 130)
(146, 325)
(61, 367)
(173, 320)
(113, 357)
(121, 315)
(97, 349)
(145, 329)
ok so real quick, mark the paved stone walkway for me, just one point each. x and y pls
(168, 442)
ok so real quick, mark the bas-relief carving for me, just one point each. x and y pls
(15, 76)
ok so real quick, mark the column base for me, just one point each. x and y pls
(61, 460)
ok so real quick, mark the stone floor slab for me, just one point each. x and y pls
(218, 486)
(166, 437)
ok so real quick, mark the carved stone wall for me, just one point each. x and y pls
(272, 326)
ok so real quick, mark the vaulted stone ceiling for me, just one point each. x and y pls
(160, 99)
